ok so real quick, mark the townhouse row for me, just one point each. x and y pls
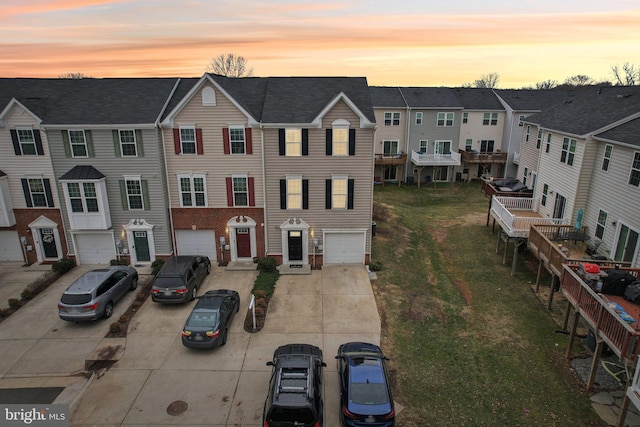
(236, 169)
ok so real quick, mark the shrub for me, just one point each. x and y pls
(375, 265)
(26, 294)
(119, 262)
(156, 266)
(4, 312)
(14, 302)
(267, 265)
(63, 266)
(115, 328)
(123, 319)
(266, 282)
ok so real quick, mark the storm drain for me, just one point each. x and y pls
(177, 407)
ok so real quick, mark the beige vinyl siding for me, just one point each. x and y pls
(149, 167)
(214, 163)
(529, 153)
(609, 191)
(317, 167)
(18, 167)
(390, 133)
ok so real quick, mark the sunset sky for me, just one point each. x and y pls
(401, 42)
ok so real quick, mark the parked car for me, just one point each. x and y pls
(93, 294)
(179, 278)
(208, 323)
(295, 389)
(365, 395)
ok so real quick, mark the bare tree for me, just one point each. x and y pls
(547, 84)
(579, 80)
(488, 81)
(627, 75)
(73, 76)
(230, 65)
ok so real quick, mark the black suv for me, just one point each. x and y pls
(295, 390)
(179, 278)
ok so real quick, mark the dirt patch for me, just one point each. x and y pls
(464, 290)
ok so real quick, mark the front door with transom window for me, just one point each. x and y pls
(48, 243)
(295, 245)
(142, 246)
(243, 242)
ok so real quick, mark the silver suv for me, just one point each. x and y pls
(93, 294)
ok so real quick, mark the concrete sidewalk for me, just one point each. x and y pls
(227, 386)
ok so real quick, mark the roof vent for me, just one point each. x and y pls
(568, 101)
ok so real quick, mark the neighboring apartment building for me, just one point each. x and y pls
(102, 168)
(583, 154)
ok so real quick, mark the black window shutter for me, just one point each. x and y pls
(116, 143)
(352, 142)
(283, 194)
(123, 195)
(89, 139)
(139, 145)
(47, 192)
(281, 142)
(66, 143)
(38, 139)
(305, 194)
(305, 142)
(146, 200)
(16, 143)
(327, 202)
(350, 186)
(27, 193)
(329, 142)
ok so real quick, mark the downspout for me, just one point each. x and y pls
(407, 133)
(166, 170)
(264, 193)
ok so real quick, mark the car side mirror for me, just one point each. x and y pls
(269, 363)
(324, 365)
(339, 357)
(386, 358)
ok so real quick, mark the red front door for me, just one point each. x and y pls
(243, 243)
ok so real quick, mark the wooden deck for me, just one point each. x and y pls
(390, 159)
(483, 158)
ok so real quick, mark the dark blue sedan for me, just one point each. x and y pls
(209, 321)
(365, 395)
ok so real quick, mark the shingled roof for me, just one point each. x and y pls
(534, 100)
(627, 133)
(431, 97)
(473, 98)
(590, 110)
(387, 97)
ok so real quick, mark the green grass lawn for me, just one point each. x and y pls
(469, 343)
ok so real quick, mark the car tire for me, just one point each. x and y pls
(194, 293)
(134, 284)
(108, 310)
(224, 338)
(208, 269)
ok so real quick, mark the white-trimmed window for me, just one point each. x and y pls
(490, 119)
(468, 144)
(521, 117)
(548, 144)
(539, 139)
(293, 142)
(192, 190)
(606, 159)
(390, 147)
(423, 145)
(128, 142)
(601, 224)
(634, 178)
(237, 139)
(391, 119)
(340, 140)
(444, 119)
(339, 191)
(294, 192)
(133, 187)
(240, 190)
(188, 139)
(527, 133)
(37, 192)
(568, 151)
(545, 193)
(525, 174)
(82, 197)
(465, 117)
(78, 143)
(419, 118)
(26, 140)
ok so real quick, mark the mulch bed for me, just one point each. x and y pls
(119, 328)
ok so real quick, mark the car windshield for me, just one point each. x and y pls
(290, 415)
(199, 318)
(168, 282)
(368, 386)
(75, 299)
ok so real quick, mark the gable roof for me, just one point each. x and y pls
(590, 110)
(478, 98)
(387, 97)
(534, 100)
(627, 133)
(431, 98)
(90, 101)
(82, 172)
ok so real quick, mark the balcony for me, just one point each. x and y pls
(516, 215)
(390, 159)
(483, 157)
(424, 159)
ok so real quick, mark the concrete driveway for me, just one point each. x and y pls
(222, 387)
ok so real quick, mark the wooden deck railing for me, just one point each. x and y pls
(620, 336)
(390, 159)
(541, 243)
(504, 210)
(483, 157)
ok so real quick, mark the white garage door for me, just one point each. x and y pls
(94, 248)
(344, 248)
(196, 242)
(10, 249)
